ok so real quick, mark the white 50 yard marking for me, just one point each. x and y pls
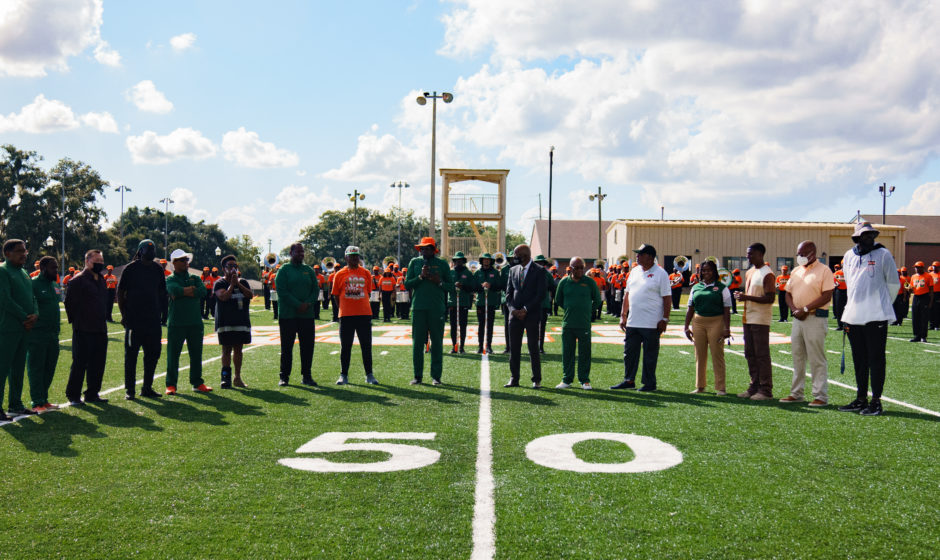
(557, 452)
(484, 507)
(403, 457)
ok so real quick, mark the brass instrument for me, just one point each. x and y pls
(271, 260)
(499, 259)
(328, 264)
(473, 266)
(681, 263)
(714, 260)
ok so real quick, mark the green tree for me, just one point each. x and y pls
(248, 255)
(177, 231)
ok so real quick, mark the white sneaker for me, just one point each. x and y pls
(536, 385)
(562, 385)
(586, 386)
(343, 380)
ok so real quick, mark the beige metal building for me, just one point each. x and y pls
(728, 240)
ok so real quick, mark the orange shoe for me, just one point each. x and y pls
(202, 389)
(40, 409)
(51, 406)
(170, 390)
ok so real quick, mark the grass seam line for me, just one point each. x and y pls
(847, 386)
(484, 507)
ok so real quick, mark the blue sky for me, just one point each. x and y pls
(261, 116)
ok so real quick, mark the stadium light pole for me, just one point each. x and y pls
(885, 191)
(122, 189)
(422, 100)
(399, 185)
(355, 197)
(166, 226)
(551, 162)
(599, 198)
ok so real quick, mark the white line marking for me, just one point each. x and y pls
(383, 353)
(931, 351)
(484, 508)
(683, 352)
(846, 386)
(109, 334)
(783, 351)
(834, 352)
(334, 352)
(907, 340)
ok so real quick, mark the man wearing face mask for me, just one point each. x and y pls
(871, 283)
(141, 296)
(431, 279)
(42, 342)
(809, 292)
(86, 305)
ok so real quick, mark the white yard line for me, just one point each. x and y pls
(908, 340)
(683, 352)
(847, 386)
(484, 508)
(783, 351)
(834, 352)
(109, 334)
(931, 351)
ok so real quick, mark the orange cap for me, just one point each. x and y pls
(425, 242)
(919, 263)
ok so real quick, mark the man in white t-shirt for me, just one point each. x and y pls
(644, 318)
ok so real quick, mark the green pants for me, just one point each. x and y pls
(581, 338)
(192, 335)
(42, 356)
(12, 365)
(424, 322)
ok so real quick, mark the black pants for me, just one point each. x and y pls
(387, 306)
(266, 290)
(782, 303)
(375, 308)
(360, 326)
(165, 311)
(839, 298)
(334, 301)
(485, 319)
(505, 309)
(543, 321)
(935, 312)
(868, 355)
(676, 296)
(633, 340)
(326, 298)
(89, 351)
(304, 330)
(920, 315)
(274, 305)
(458, 317)
(900, 308)
(531, 327)
(112, 293)
(134, 340)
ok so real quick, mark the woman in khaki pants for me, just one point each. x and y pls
(710, 318)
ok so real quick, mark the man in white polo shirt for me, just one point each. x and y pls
(644, 318)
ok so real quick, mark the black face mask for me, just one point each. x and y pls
(513, 261)
(50, 276)
(97, 268)
(148, 253)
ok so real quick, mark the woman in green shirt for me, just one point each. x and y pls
(709, 315)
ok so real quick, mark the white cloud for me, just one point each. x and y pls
(184, 200)
(764, 103)
(182, 42)
(924, 201)
(378, 158)
(102, 122)
(182, 143)
(147, 98)
(51, 115)
(40, 35)
(106, 55)
(246, 149)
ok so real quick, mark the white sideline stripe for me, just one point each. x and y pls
(907, 340)
(683, 352)
(118, 388)
(783, 351)
(931, 351)
(846, 386)
(484, 508)
(109, 334)
(383, 353)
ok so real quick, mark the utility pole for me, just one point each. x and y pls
(600, 198)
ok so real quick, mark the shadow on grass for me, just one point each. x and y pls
(52, 433)
(174, 409)
(120, 417)
(514, 395)
(274, 397)
(346, 395)
(223, 404)
(431, 394)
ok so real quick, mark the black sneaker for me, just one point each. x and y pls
(855, 406)
(128, 396)
(647, 388)
(4, 417)
(150, 393)
(624, 385)
(309, 382)
(20, 411)
(915, 339)
(226, 382)
(873, 409)
(283, 381)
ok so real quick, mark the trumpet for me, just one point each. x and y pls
(681, 263)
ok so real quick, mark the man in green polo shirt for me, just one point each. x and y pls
(580, 297)
(297, 288)
(430, 279)
(42, 342)
(17, 317)
(459, 300)
(186, 292)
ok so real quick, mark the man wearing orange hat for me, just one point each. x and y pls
(922, 288)
(838, 295)
(35, 272)
(782, 293)
(111, 281)
(734, 287)
(934, 272)
(902, 301)
(430, 279)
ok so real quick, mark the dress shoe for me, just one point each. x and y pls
(308, 381)
(453, 350)
(149, 393)
(536, 385)
(479, 350)
(512, 383)
(791, 399)
(203, 388)
(818, 403)
(489, 349)
(505, 351)
(647, 388)
(415, 382)
(129, 396)
(462, 351)
(760, 397)
(857, 405)
(624, 385)
(95, 399)
(4, 417)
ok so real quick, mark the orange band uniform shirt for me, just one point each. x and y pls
(352, 288)
(387, 283)
(782, 282)
(921, 284)
(838, 278)
(675, 279)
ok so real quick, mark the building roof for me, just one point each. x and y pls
(920, 229)
(570, 238)
(740, 223)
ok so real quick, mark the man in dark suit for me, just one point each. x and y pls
(525, 291)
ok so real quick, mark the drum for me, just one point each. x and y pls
(273, 295)
(374, 296)
(402, 297)
(320, 295)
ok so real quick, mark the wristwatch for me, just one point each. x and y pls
(805, 309)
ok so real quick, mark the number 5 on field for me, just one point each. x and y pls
(403, 457)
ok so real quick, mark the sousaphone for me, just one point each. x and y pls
(271, 260)
(499, 259)
(681, 263)
(328, 264)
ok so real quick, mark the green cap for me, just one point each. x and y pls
(540, 259)
(486, 256)
(459, 255)
(145, 243)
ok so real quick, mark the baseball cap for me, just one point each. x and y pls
(645, 249)
(352, 250)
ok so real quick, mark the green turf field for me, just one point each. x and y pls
(199, 476)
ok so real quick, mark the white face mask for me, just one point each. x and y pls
(802, 261)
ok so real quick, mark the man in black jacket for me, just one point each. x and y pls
(86, 304)
(525, 291)
(141, 296)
